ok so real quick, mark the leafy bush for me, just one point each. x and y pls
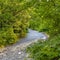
(45, 50)
(7, 36)
(45, 16)
(13, 20)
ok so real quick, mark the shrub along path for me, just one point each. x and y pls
(17, 51)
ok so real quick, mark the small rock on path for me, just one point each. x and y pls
(17, 51)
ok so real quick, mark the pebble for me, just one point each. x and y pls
(19, 53)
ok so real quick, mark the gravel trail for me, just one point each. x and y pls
(17, 50)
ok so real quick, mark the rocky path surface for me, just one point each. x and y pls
(17, 51)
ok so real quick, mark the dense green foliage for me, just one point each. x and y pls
(13, 20)
(41, 15)
(46, 50)
(45, 16)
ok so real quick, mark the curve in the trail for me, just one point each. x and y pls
(33, 35)
(15, 52)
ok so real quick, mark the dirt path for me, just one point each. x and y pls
(17, 51)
